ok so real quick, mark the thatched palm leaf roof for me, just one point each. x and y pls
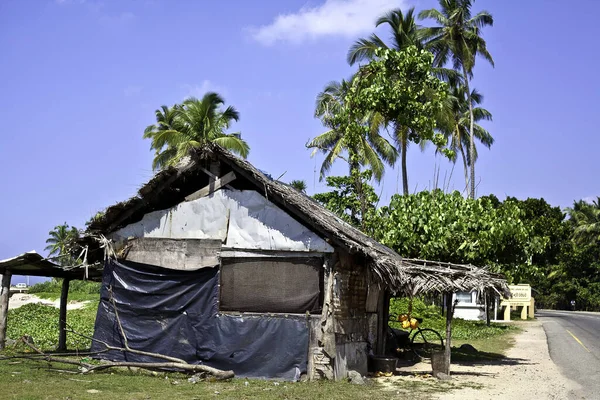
(399, 275)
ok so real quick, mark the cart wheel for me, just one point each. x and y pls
(425, 341)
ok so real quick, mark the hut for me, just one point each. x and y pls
(216, 263)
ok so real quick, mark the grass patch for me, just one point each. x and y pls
(490, 349)
(461, 329)
(31, 380)
(41, 323)
(77, 296)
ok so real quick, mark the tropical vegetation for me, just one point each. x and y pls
(62, 244)
(189, 125)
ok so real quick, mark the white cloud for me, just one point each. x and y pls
(346, 18)
(204, 87)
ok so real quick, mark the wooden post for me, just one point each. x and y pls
(448, 347)
(62, 319)
(4, 296)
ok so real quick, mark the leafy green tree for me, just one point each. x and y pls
(585, 218)
(299, 185)
(62, 244)
(447, 227)
(399, 86)
(372, 150)
(454, 122)
(186, 126)
(344, 200)
(404, 32)
(457, 37)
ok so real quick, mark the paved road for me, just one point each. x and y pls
(574, 344)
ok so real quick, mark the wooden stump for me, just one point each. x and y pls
(439, 363)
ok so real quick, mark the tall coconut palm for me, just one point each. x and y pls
(585, 218)
(299, 185)
(454, 122)
(373, 150)
(62, 242)
(404, 32)
(180, 128)
(457, 38)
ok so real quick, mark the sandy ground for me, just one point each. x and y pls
(20, 299)
(527, 372)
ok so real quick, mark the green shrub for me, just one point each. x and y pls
(55, 285)
(433, 318)
(41, 323)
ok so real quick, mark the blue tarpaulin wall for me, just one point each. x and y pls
(176, 313)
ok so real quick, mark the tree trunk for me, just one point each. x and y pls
(471, 136)
(465, 166)
(403, 147)
(4, 298)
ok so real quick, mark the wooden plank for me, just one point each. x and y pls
(62, 318)
(213, 176)
(372, 298)
(179, 254)
(4, 298)
(212, 186)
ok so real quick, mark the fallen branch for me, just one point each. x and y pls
(86, 368)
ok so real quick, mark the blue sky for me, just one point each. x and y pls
(80, 80)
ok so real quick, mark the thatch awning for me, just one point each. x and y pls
(397, 274)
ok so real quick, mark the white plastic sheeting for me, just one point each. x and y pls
(242, 219)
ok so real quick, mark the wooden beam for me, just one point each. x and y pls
(212, 187)
(62, 316)
(4, 296)
(213, 176)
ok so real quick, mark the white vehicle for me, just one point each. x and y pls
(21, 286)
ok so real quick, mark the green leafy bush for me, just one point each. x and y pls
(41, 323)
(432, 318)
(55, 285)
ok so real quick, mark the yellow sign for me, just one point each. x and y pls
(520, 293)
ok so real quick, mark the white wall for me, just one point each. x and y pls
(244, 219)
(469, 309)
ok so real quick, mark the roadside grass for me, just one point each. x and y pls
(488, 350)
(31, 380)
(76, 296)
(461, 329)
(41, 323)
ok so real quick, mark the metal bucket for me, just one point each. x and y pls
(383, 364)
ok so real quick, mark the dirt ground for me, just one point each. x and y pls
(527, 372)
(20, 299)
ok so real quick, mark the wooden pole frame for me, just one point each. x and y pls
(4, 298)
(62, 319)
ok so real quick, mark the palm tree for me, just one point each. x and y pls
(62, 242)
(404, 32)
(585, 218)
(454, 123)
(458, 37)
(372, 149)
(190, 125)
(299, 185)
